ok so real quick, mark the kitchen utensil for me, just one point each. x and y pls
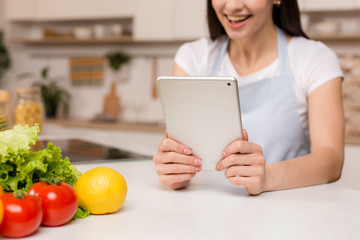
(51, 34)
(154, 92)
(116, 30)
(82, 33)
(99, 31)
(112, 103)
(327, 27)
(349, 26)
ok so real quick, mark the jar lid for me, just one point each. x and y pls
(5, 95)
(28, 90)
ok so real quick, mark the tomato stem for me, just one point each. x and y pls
(51, 181)
(19, 194)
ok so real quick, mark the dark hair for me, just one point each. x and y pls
(286, 16)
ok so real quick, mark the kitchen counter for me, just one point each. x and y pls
(124, 126)
(211, 208)
(142, 142)
(146, 142)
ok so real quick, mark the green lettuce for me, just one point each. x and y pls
(18, 138)
(20, 168)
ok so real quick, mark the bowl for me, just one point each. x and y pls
(327, 27)
(82, 33)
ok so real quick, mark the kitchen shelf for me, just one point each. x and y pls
(333, 12)
(127, 126)
(120, 40)
(352, 140)
(335, 37)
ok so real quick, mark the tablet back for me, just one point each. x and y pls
(203, 113)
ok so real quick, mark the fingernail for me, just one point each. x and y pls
(197, 169)
(197, 162)
(223, 153)
(187, 151)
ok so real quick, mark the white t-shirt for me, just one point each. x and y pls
(311, 62)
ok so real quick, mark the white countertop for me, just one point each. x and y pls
(141, 142)
(211, 208)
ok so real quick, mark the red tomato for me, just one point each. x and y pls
(59, 202)
(22, 216)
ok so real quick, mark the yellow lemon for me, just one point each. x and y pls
(101, 190)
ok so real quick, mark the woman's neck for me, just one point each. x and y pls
(253, 53)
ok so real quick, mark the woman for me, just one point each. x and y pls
(290, 95)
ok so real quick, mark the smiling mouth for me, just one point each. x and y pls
(237, 19)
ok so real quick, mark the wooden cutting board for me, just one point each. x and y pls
(112, 103)
(154, 92)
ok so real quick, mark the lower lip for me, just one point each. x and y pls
(236, 25)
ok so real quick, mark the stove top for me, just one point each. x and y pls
(84, 151)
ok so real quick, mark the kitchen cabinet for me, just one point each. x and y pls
(66, 9)
(20, 10)
(327, 5)
(302, 5)
(357, 4)
(153, 20)
(177, 19)
(84, 9)
(190, 19)
(331, 20)
(116, 8)
(53, 10)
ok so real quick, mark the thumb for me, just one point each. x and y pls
(245, 135)
(166, 134)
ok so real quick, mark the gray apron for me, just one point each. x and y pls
(269, 110)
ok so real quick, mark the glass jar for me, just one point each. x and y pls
(3, 117)
(5, 109)
(29, 108)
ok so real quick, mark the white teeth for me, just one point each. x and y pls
(235, 19)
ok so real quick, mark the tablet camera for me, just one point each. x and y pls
(229, 84)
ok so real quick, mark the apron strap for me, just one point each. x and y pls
(219, 57)
(282, 54)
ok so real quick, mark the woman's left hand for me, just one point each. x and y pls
(244, 165)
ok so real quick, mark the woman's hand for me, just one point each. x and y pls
(244, 165)
(175, 164)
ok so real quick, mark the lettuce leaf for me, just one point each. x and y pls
(81, 213)
(18, 138)
(20, 168)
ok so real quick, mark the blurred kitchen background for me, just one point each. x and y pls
(54, 34)
(72, 40)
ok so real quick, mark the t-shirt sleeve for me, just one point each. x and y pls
(192, 57)
(322, 66)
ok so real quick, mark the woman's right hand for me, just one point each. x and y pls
(175, 164)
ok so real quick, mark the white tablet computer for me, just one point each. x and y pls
(202, 113)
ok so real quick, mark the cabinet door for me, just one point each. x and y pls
(16, 10)
(67, 9)
(190, 19)
(319, 5)
(302, 5)
(154, 20)
(117, 8)
(357, 4)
